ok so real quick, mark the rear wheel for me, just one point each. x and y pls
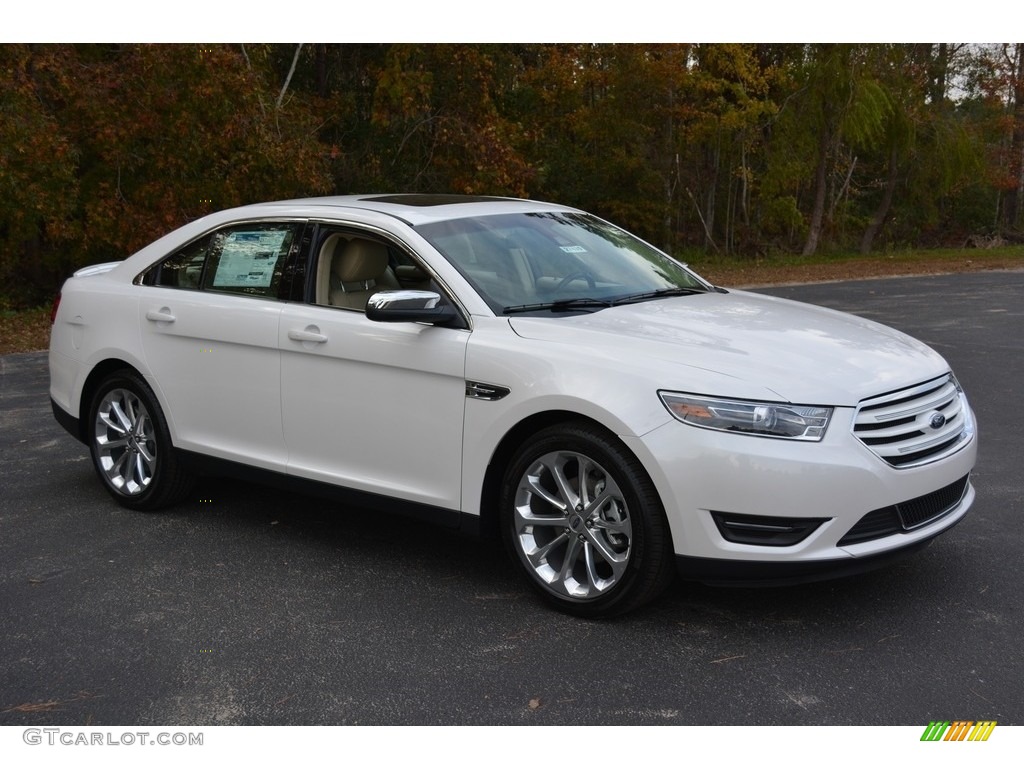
(582, 518)
(131, 445)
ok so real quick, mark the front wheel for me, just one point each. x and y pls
(131, 445)
(583, 519)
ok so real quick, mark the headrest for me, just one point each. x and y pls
(360, 260)
(330, 246)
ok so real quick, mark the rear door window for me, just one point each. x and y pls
(248, 259)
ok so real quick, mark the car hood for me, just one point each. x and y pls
(740, 344)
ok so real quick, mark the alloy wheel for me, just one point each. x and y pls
(125, 442)
(572, 526)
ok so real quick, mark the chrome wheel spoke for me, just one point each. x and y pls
(568, 563)
(524, 517)
(615, 526)
(122, 418)
(141, 470)
(118, 465)
(145, 454)
(583, 467)
(539, 556)
(112, 424)
(591, 566)
(119, 442)
(565, 489)
(541, 492)
(615, 559)
(593, 509)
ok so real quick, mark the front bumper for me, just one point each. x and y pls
(775, 573)
(698, 472)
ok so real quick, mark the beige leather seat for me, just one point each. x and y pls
(359, 269)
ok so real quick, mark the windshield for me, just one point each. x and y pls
(556, 261)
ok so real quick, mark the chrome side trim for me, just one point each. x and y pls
(479, 391)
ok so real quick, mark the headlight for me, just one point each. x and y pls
(795, 422)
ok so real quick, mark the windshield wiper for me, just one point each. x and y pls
(563, 305)
(660, 293)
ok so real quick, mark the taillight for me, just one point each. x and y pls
(53, 310)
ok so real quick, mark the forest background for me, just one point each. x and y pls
(740, 152)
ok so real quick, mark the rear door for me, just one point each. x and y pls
(209, 322)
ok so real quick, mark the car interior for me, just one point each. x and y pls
(350, 269)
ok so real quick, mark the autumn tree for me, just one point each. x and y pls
(437, 126)
(720, 148)
(38, 173)
(172, 132)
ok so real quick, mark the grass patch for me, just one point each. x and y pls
(738, 271)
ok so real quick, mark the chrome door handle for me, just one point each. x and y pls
(163, 315)
(309, 333)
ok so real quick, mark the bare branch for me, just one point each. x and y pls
(259, 96)
(288, 80)
(707, 232)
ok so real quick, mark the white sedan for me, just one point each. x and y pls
(513, 368)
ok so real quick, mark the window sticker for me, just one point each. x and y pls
(573, 248)
(247, 259)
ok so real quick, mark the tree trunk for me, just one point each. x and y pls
(710, 198)
(1013, 201)
(321, 70)
(820, 190)
(937, 76)
(882, 212)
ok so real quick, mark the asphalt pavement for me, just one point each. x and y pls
(251, 606)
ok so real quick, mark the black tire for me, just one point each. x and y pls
(610, 551)
(131, 446)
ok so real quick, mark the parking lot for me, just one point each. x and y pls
(250, 606)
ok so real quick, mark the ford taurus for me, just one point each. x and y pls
(520, 369)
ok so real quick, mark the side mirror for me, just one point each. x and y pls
(410, 307)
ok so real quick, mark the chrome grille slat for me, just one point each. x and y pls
(922, 443)
(902, 410)
(903, 431)
(908, 393)
(897, 426)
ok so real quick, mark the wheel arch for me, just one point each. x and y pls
(510, 442)
(99, 372)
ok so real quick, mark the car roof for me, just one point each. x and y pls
(415, 209)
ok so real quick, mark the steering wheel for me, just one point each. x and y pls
(579, 274)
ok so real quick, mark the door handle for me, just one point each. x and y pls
(309, 333)
(162, 315)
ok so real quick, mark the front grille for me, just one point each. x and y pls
(907, 515)
(874, 525)
(917, 425)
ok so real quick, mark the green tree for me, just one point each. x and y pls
(842, 102)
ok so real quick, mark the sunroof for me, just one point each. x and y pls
(425, 201)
